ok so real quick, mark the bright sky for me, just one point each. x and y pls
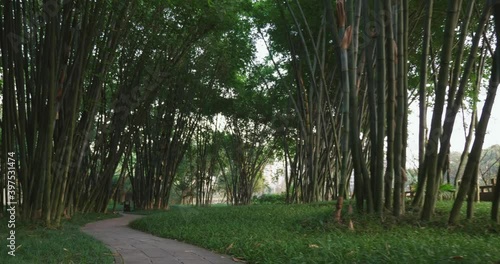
(458, 136)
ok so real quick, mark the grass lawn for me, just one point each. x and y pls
(306, 234)
(67, 244)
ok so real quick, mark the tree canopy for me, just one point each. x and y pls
(172, 98)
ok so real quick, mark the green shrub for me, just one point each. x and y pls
(269, 199)
(447, 191)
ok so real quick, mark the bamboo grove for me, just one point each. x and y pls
(170, 97)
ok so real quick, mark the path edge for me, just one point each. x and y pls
(118, 259)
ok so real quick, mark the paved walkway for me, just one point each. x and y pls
(130, 246)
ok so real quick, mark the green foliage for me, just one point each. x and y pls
(269, 199)
(67, 244)
(447, 188)
(308, 234)
(118, 206)
(446, 191)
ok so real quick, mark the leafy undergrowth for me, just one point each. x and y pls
(67, 244)
(146, 212)
(307, 234)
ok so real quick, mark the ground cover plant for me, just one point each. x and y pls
(66, 244)
(308, 234)
(269, 199)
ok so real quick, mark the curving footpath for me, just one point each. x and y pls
(135, 247)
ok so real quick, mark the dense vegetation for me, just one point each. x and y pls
(169, 98)
(308, 234)
(148, 100)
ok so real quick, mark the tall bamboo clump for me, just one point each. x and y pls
(46, 68)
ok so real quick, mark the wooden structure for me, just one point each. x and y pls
(486, 192)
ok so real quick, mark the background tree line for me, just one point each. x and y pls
(170, 93)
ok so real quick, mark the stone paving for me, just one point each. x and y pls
(130, 246)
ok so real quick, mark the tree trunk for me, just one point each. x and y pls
(436, 128)
(496, 200)
(381, 83)
(391, 103)
(473, 194)
(399, 119)
(422, 90)
(475, 153)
